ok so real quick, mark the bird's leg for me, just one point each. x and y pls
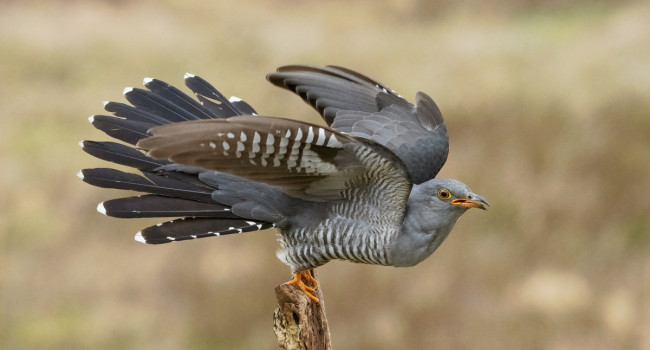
(310, 279)
(308, 290)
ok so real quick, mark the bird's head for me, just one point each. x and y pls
(449, 195)
(433, 209)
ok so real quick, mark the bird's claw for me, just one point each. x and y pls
(308, 290)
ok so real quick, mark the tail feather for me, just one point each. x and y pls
(129, 131)
(155, 184)
(121, 154)
(242, 106)
(193, 228)
(171, 190)
(150, 206)
(151, 102)
(207, 94)
(179, 99)
(123, 110)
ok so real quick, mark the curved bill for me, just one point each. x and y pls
(472, 201)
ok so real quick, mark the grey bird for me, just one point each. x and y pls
(361, 189)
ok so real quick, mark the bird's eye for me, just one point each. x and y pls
(444, 194)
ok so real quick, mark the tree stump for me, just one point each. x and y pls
(299, 323)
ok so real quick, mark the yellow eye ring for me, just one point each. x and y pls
(444, 194)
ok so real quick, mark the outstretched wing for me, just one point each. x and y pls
(357, 105)
(307, 161)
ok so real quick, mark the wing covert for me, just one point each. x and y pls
(307, 161)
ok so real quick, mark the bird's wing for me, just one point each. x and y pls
(360, 106)
(307, 161)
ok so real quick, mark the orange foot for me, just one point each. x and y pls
(308, 290)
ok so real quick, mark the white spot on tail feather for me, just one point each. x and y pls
(243, 137)
(100, 208)
(138, 237)
(146, 81)
(127, 90)
(91, 119)
(270, 140)
(310, 135)
(188, 75)
(299, 134)
(80, 174)
(226, 146)
(230, 135)
(234, 99)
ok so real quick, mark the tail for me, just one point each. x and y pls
(206, 203)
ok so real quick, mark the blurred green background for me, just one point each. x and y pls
(548, 109)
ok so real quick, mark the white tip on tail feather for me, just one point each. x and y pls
(234, 99)
(127, 90)
(91, 119)
(146, 81)
(188, 75)
(100, 208)
(138, 237)
(80, 175)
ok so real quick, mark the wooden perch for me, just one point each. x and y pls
(299, 322)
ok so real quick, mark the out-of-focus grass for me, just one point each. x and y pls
(548, 109)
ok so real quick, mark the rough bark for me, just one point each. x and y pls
(299, 322)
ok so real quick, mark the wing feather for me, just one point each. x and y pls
(307, 161)
(354, 103)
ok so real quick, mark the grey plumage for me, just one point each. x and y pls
(360, 189)
(360, 106)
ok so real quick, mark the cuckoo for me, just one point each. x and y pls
(361, 189)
